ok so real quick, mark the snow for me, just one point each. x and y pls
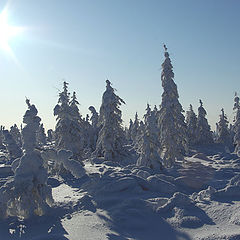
(110, 201)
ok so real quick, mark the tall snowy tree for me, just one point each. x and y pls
(129, 131)
(50, 135)
(14, 150)
(204, 134)
(1, 137)
(148, 112)
(236, 126)
(27, 193)
(223, 136)
(134, 129)
(173, 134)
(41, 136)
(191, 121)
(15, 132)
(149, 145)
(68, 128)
(94, 127)
(111, 139)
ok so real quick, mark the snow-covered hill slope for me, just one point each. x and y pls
(196, 200)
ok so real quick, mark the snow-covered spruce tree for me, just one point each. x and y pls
(191, 121)
(223, 136)
(28, 194)
(129, 131)
(87, 131)
(111, 138)
(155, 112)
(41, 136)
(15, 132)
(173, 134)
(50, 135)
(14, 151)
(236, 126)
(1, 137)
(149, 145)
(68, 128)
(94, 127)
(204, 134)
(148, 112)
(134, 130)
(139, 136)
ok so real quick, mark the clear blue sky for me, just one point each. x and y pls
(85, 42)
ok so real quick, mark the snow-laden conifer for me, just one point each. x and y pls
(50, 135)
(236, 126)
(1, 137)
(28, 193)
(173, 135)
(14, 151)
(191, 121)
(139, 136)
(223, 135)
(204, 134)
(129, 131)
(111, 139)
(149, 145)
(68, 127)
(148, 112)
(134, 129)
(87, 136)
(41, 136)
(15, 132)
(94, 127)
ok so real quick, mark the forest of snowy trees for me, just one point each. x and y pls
(163, 137)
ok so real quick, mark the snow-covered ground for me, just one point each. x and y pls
(195, 200)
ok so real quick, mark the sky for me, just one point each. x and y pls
(85, 42)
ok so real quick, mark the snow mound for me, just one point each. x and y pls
(232, 190)
(204, 195)
(158, 185)
(194, 175)
(181, 211)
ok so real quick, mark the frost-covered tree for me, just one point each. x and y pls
(148, 112)
(173, 134)
(50, 135)
(223, 135)
(68, 133)
(191, 121)
(14, 151)
(129, 131)
(236, 126)
(28, 193)
(94, 127)
(41, 136)
(87, 133)
(15, 132)
(204, 134)
(134, 129)
(149, 145)
(111, 139)
(94, 117)
(155, 111)
(1, 137)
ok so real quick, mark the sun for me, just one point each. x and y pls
(7, 32)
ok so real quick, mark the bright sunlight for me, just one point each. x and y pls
(7, 32)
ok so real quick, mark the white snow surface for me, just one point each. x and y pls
(199, 199)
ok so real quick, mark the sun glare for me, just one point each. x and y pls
(7, 32)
